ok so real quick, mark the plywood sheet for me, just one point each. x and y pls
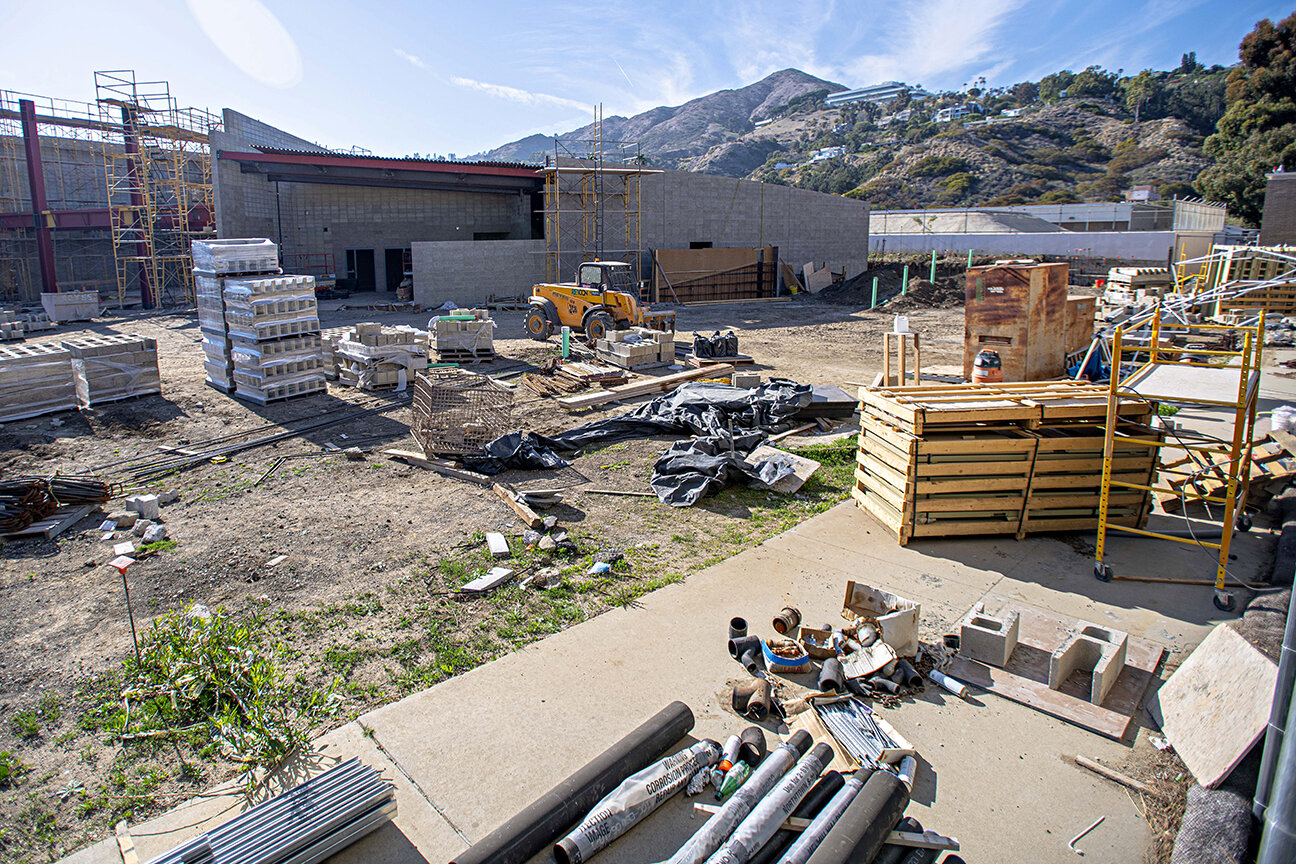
(802, 468)
(1216, 705)
(1025, 679)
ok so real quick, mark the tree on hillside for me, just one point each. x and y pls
(1257, 134)
(1188, 64)
(1026, 92)
(1094, 82)
(1051, 86)
(1140, 89)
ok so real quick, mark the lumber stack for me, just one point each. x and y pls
(644, 387)
(463, 336)
(35, 379)
(113, 366)
(997, 459)
(274, 337)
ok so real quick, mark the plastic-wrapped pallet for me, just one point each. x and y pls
(246, 255)
(463, 335)
(113, 366)
(218, 365)
(35, 379)
(372, 357)
(274, 334)
(329, 338)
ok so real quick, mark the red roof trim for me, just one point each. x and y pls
(338, 161)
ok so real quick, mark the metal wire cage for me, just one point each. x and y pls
(458, 413)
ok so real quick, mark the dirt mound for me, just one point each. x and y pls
(942, 294)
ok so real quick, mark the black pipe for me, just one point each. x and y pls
(738, 646)
(953, 859)
(858, 687)
(1277, 712)
(752, 747)
(920, 856)
(859, 833)
(555, 812)
(752, 699)
(877, 682)
(910, 676)
(814, 801)
(752, 660)
(737, 628)
(832, 678)
(892, 854)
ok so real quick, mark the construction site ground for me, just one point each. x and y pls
(373, 548)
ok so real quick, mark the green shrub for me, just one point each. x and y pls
(939, 166)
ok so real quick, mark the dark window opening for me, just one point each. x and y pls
(700, 244)
(490, 235)
(360, 267)
(396, 266)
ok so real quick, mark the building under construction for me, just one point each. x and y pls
(109, 195)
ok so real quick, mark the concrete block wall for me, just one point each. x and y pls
(468, 272)
(322, 218)
(1278, 224)
(245, 203)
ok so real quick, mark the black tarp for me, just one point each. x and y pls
(728, 422)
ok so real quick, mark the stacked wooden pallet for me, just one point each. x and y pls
(996, 459)
(1196, 474)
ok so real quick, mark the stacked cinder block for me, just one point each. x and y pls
(114, 366)
(274, 337)
(35, 379)
(11, 329)
(329, 339)
(35, 322)
(463, 335)
(214, 262)
(636, 348)
(373, 357)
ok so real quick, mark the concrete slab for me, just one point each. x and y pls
(556, 704)
(417, 834)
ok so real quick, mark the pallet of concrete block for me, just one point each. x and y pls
(35, 322)
(35, 378)
(372, 357)
(636, 348)
(270, 307)
(11, 329)
(1028, 404)
(463, 336)
(262, 364)
(71, 305)
(217, 363)
(247, 255)
(329, 337)
(113, 366)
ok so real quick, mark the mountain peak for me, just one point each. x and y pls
(671, 134)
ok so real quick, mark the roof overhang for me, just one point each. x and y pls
(345, 170)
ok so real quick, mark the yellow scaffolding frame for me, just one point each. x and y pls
(1193, 382)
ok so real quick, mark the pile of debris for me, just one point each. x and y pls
(25, 500)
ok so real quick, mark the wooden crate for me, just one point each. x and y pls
(1079, 322)
(1018, 310)
(1026, 404)
(1005, 480)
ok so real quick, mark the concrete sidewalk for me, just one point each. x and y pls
(472, 751)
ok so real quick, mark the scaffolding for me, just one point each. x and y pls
(158, 179)
(591, 185)
(1216, 470)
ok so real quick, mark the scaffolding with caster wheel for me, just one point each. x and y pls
(1217, 470)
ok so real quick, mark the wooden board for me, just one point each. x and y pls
(1216, 705)
(53, 525)
(1025, 679)
(644, 388)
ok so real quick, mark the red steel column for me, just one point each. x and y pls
(40, 205)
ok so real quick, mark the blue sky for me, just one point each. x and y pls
(440, 77)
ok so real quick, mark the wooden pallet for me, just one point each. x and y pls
(53, 525)
(1029, 405)
(1005, 480)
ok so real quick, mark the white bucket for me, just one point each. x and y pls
(901, 324)
(1283, 419)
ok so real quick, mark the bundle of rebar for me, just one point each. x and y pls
(852, 724)
(306, 824)
(25, 500)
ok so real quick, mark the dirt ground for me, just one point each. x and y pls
(373, 548)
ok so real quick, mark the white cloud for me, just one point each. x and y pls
(250, 37)
(514, 94)
(410, 58)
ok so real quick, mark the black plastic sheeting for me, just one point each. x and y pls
(729, 423)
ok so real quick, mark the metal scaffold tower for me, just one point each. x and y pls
(159, 184)
(592, 187)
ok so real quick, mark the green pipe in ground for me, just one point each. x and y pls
(873, 305)
(904, 281)
(932, 278)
